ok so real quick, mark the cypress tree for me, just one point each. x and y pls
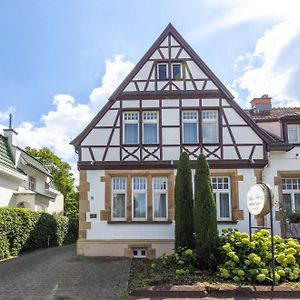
(205, 219)
(184, 225)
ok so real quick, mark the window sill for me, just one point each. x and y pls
(140, 222)
(227, 222)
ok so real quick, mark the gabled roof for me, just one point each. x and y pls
(274, 114)
(171, 30)
(226, 93)
(5, 155)
(33, 162)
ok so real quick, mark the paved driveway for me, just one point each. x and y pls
(58, 274)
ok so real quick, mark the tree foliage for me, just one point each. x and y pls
(184, 226)
(63, 178)
(205, 220)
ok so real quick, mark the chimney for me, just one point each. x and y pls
(262, 104)
(11, 136)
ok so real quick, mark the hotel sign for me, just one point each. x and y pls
(258, 199)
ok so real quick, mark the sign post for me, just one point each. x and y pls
(260, 201)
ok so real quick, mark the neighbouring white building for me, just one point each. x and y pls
(127, 156)
(24, 181)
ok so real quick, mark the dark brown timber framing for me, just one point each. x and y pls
(222, 91)
(126, 165)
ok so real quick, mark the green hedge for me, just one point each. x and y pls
(24, 230)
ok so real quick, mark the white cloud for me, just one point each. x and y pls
(68, 118)
(230, 13)
(270, 68)
(116, 70)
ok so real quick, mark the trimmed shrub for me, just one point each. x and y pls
(206, 232)
(252, 261)
(4, 246)
(184, 225)
(24, 230)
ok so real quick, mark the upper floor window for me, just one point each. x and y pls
(162, 71)
(119, 198)
(293, 133)
(150, 127)
(31, 183)
(139, 196)
(291, 195)
(210, 126)
(159, 198)
(190, 127)
(131, 127)
(176, 71)
(221, 190)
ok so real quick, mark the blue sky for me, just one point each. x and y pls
(60, 60)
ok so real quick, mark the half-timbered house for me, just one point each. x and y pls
(171, 102)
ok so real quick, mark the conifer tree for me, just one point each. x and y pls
(205, 220)
(184, 225)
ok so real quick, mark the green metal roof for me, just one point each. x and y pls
(6, 159)
(30, 160)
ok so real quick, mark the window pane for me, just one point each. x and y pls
(118, 205)
(293, 133)
(224, 205)
(209, 133)
(287, 203)
(131, 133)
(297, 203)
(190, 133)
(162, 71)
(150, 133)
(160, 206)
(139, 206)
(176, 71)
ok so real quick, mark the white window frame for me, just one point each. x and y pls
(210, 121)
(190, 120)
(181, 73)
(159, 192)
(139, 191)
(139, 253)
(291, 191)
(167, 75)
(129, 119)
(31, 183)
(297, 129)
(151, 121)
(118, 191)
(217, 191)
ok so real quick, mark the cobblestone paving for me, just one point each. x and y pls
(58, 274)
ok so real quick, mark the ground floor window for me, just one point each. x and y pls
(139, 196)
(221, 190)
(119, 198)
(160, 198)
(291, 195)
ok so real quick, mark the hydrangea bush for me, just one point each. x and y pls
(252, 261)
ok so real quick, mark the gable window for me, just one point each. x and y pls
(139, 196)
(190, 127)
(150, 127)
(131, 127)
(162, 72)
(293, 133)
(118, 198)
(221, 190)
(210, 126)
(159, 198)
(291, 195)
(176, 71)
(31, 183)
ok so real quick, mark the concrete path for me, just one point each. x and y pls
(58, 274)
